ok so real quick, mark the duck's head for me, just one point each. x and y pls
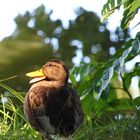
(53, 70)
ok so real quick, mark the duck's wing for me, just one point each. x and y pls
(54, 110)
(64, 110)
(35, 106)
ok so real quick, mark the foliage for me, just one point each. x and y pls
(131, 8)
(13, 124)
(115, 64)
(38, 38)
(99, 83)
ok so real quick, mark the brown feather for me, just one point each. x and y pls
(52, 107)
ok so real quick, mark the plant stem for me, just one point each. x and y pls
(125, 88)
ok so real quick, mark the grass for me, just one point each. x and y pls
(13, 125)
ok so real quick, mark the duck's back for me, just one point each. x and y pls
(53, 110)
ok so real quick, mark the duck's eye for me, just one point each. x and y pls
(49, 65)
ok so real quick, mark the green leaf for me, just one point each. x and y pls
(134, 6)
(129, 76)
(73, 75)
(109, 8)
(87, 103)
(112, 3)
(135, 48)
(131, 49)
(8, 78)
(118, 2)
(117, 65)
(127, 18)
(122, 104)
(130, 10)
(137, 101)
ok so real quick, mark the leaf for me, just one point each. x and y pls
(127, 18)
(8, 78)
(130, 10)
(137, 102)
(109, 8)
(104, 81)
(107, 75)
(127, 79)
(118, 2)
(122, 104)
(134, 6)
(106, 16)
(135, 48)
(131, 49)
(87, 103)
(73, 75)
(84, 71)
(129, 76)
(117, 65)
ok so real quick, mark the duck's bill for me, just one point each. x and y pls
(39, 75)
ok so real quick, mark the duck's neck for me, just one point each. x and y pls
(49, 84)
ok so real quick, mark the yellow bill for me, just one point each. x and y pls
(39, 75)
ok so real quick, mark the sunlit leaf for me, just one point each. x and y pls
(130, 10)
(109, 8)
(134, 6)
(127, 18)
(131, 49)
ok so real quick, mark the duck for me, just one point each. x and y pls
(51, 106)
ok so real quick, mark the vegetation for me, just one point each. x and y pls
(37, 39)
(101, 79)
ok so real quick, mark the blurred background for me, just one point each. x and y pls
(33, 32)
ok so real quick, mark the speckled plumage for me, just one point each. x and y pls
(51, 106)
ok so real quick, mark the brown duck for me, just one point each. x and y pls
(51, 106)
